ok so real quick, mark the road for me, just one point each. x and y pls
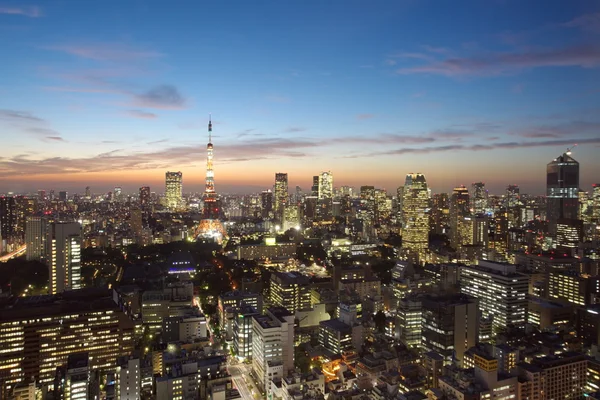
(14, 254)
(243, 382)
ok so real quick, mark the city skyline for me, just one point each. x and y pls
(382, 95)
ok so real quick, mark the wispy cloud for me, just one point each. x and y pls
(31, 12)
(586, 22)
(585, 56)
(159, 141)
(106, 52)
(19, 116)
(295, 129)
(362, 117)
(141, 114)
(161, 97)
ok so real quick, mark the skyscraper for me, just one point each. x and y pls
(210, 226)
(281, 193)
(562, 190)
(266, 202)
(479, 198)
(596, 203)
(144, 196)
(314, 189)
(459, 208)
(415, 235)
(63, 246)
(36, 234)
(325, 185)
(173, 189)
(8, 216)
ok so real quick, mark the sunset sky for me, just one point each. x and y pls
(116, 93)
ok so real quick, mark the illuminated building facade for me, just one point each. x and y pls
(596, 203)
(210, 226)
(281, 194)
(562, 190)
(173, 189)
(77, 379)
(415, 235)
(266, 202)
(572, 287)
(290, 290)
(144, 196)
(335, 336)
(63, 244)
(479, 198)
(501, 291)
(459, 208)
(129, 379)
(269, 250)
(291, 217)
(569, 233)
(39, 333)
(325, 185)
(36, 234)
(242, 332)
(561, 376)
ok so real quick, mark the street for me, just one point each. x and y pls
(243, 382)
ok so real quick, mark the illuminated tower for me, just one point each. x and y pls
(173, 189)
(210, 226)
(281, 193)
(479, 198)
(459, 208)
(415, 236)
(562, 190)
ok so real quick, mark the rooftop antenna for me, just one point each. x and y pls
(570, 148)
(209, 128)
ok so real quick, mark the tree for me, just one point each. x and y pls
(379, 320)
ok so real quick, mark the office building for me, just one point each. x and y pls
(410, 314)
(335, 336)
(173, 189)
(449, 325)
(8, 216)
(144, 197)
(266, 200)
(596, 203)
(479, 198)
(500, 289)
(484, 381)
(561, 376)
(569, 233)
(573, 287)
(63, 244)
(459, 209)
(242, 332)
(291, 217)
(128, 378)
(230, 303)
(290, 290)
(182, 382)
(40, 332)
(281, 194)
(36, 234)
(272, 346)
(77, 378)
(415, 235)
(325, 190)
(562, 190)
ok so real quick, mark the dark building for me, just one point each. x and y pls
(8, 216)
(144, 196)
(266, 200)
(562, 190)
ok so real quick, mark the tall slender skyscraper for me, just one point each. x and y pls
(596, 203)
(479, 198)
(36, 234)
(415, 235)
(281, 193)
(459, 208)
(144, 196)
(173, 189)
(325, 185)
(210, 226)
(63, 245)
(562, 190)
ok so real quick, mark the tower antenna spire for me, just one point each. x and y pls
(209, 128)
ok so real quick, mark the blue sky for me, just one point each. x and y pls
(115, 93)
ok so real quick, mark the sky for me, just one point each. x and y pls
(116, 93)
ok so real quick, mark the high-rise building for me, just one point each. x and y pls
(63, 245)
(449, 325)
(399, 204)
(144, 196)
(39, 334)
(512, 195)
(415, 235)
(88, 192)
(479, 198)
(325, 185)
(561, 376)
(173, 189)
(290, 290)
(77, 377)
(459, 208)
(63, 196)
(272, 346)
(314, 189)
(569, 233)
(291, 217)
(128, 379)
(8, 216)
(266, 200)
(36, 234)
(118, 194)
(500, 289)
(596, 203)
(242, 332)
(562, 190)
(281, 193)
(367, 203)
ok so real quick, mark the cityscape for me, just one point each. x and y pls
(321, 266)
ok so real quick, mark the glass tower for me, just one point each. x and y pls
(562, 190)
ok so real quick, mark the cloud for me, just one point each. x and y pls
(584, 56)
(586, 22)
(437, 50)
(106, 52)
(19, 116)
(361, 117)
(295, 129)
(31, 12)
(54, 139)
(141, 114)
(562, 130)
(161, 97)
(159, 141)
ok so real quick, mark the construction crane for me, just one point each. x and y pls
(568, 152)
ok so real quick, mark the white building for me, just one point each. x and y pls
(272, 345)
(63, 244)
(129, 379)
